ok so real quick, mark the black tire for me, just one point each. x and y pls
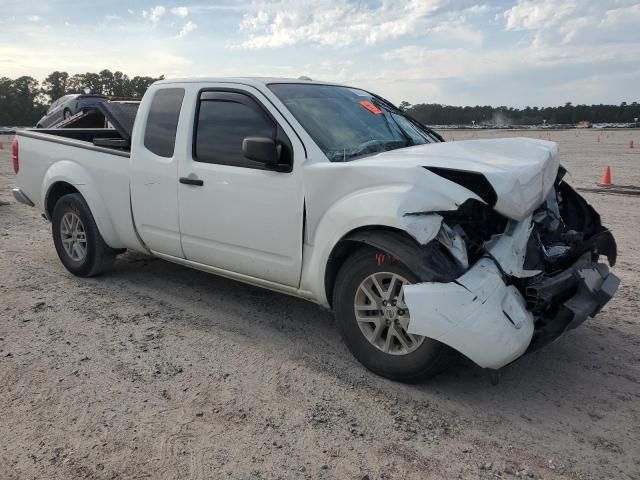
(429, 359)
(66, 113)
(99, 257)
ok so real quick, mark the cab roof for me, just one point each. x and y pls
(240, 80)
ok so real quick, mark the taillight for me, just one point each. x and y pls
(14, 155)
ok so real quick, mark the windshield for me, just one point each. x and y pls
(348, 123)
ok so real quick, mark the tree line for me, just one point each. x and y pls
(435, 114)
(24, 100)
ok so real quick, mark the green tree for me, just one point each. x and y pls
(55, 85)
(19, 101)
(121, 85)
(106, 82)
(76, 83)
(139, 85)
(404, 106)
(93, 82)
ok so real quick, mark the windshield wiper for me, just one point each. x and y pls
(367, 148)
(395, 144)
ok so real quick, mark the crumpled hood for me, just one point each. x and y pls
(520, 170)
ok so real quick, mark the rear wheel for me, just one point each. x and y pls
(373, 319)
(77, 240)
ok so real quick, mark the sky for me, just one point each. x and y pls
(455, 52)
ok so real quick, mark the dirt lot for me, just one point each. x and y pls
(157, 371)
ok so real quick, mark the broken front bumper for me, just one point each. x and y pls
(486, 318)
(572, 296)
(478, 315)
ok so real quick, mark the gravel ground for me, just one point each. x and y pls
(157, 371)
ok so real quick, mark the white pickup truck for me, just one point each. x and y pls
(331, 194)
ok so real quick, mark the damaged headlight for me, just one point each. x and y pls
(474, 223)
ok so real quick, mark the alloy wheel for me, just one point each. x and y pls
(382, 314)
(74, 236)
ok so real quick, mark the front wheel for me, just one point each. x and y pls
(77, 240)
(373, 319)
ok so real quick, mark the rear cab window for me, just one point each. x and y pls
(162, 122)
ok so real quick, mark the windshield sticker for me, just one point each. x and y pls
(371, 107)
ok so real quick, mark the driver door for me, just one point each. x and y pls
(236, 214)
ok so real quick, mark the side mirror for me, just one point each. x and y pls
(260, 149)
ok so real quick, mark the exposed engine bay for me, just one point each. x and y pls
(519, 284)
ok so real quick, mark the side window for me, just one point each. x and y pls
(224, 120)
(162, 123)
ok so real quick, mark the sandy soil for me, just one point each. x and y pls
(157, 371)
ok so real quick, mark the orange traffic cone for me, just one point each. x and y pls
(631, 144)
(606, 178)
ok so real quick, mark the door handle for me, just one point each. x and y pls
(191, 181)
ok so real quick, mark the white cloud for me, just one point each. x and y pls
(282, 23)
(532, 15)
(131, 12)
(34, 18)
(623, 15)
(154, 14)
(112, 17)
(571, 48)
(425, 64)
(188, 28)
(551, 23)
(180, 11)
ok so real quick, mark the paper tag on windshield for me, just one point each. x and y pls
(371, 107)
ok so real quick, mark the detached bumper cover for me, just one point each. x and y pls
(491, 322)
(478, 315)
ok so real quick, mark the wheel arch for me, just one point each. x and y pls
(66, 177)
(56, 191)
(394, 242)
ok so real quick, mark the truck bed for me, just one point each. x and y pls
(107, 140)
(89, 127)
(100, 174)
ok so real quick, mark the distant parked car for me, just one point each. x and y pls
(67, 106)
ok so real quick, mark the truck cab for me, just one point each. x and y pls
(197, 195)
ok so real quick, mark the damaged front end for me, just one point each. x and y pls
(524, 283)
